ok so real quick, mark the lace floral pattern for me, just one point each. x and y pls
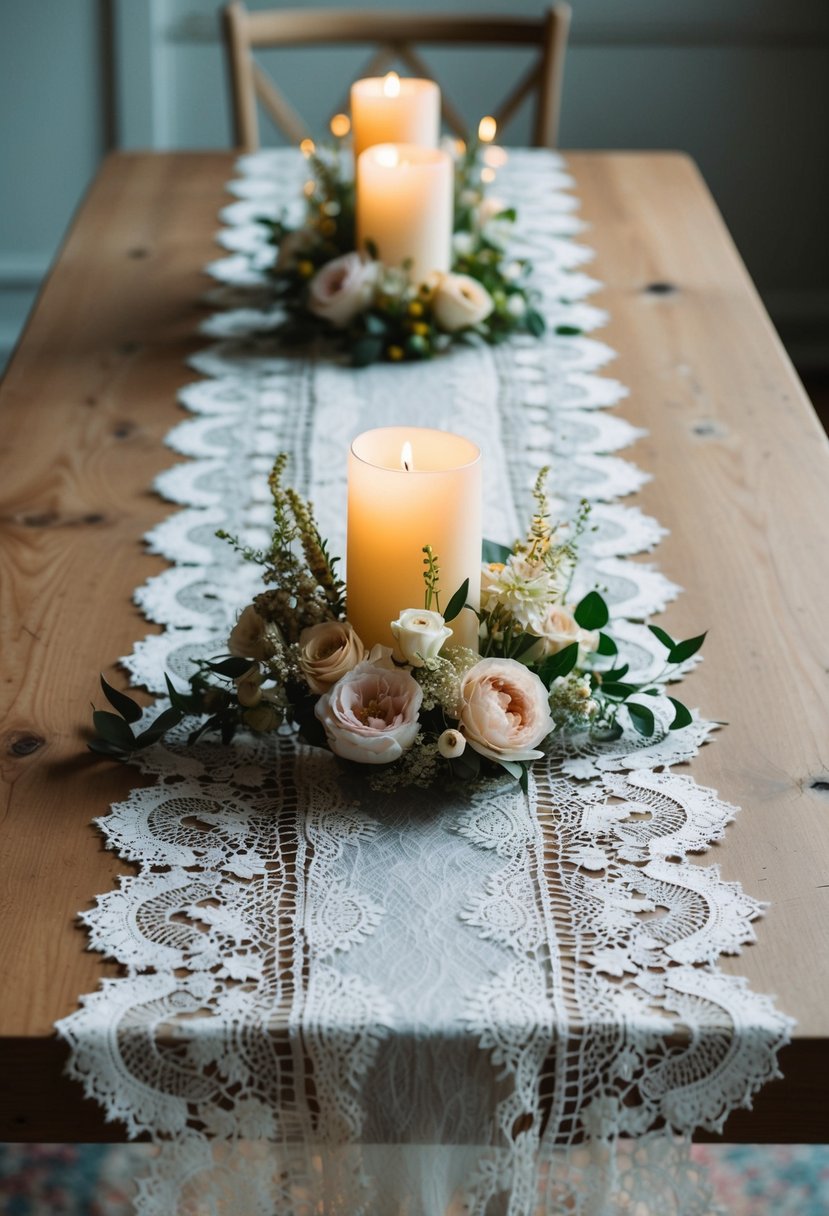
(333, 1001)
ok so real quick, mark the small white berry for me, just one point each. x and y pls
(451, 744)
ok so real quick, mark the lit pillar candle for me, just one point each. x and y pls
(404, 206)
(394, 510)
(388, 110)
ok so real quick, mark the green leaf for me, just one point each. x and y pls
(102, 748)
(618, 691)
(525, 642)
(684, 650)
(371, 249)
(467, 766)
(375, 324)
(509, 213)
(535, 322)
(560, 664)
(607, 645)
(665, 638)
(165, 720)
(591, 612)
(642, 718)
(179, 700)
(366, 350)
(127, 708)
(457, 602)
(515, 770)
(682, 717)
(491, 551)
(568, 331)
(113, 729)
(233, 668)
(616, 673)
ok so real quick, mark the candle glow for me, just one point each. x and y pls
(391, 110)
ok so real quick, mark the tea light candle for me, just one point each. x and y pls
(404, 206)
(409, 487)
(388, 110)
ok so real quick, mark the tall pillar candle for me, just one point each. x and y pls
(404, 207)
(409, 487)
(391, 110)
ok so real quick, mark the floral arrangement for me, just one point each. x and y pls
(425, 710)
(377, 313)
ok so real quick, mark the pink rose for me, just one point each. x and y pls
(506, 712)
(342, 288)
(370, 715)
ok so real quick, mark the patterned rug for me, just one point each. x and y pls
(96, 1179)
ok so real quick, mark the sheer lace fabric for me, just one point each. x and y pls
(337, 1002)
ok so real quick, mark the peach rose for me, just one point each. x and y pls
(505, 710)
(252, 637)
(342, 288)
(460, 301)
(370, 715)
(556, 629)
(327, 651)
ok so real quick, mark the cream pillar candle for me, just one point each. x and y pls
(394, 510)
(404, 206)
(388, 110)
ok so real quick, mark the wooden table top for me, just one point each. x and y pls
(740, 476)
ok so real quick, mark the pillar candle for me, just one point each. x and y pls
(394, 510)
(388, 110)
(404, 206)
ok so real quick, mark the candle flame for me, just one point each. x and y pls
(386, 155)
(307, 147)
(340, 126)
(391, 85)
(486, 129)
(406, 457)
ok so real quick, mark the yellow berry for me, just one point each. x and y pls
(305, 268)
(415, 309)
(420, 328)
(395, 353)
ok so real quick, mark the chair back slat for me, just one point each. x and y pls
(395, 32)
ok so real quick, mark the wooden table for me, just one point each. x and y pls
(741, 477)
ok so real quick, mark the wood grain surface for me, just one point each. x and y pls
(740, 476)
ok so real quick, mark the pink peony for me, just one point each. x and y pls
(370, 715)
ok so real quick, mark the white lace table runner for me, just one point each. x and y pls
(414, 1005)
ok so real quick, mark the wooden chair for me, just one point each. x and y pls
(393, 32)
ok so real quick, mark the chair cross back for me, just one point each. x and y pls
(393, 34)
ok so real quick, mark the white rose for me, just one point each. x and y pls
(419, 635)
(342, 288)
(460, 301)
(371, 714)
(451, 744)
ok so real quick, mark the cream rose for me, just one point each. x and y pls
(556, 629)
(419, 635)
(342, 288)
(505, 712)
(327, 651)
(460, 301)
(370, 715)
(451, 744)
(252, 637)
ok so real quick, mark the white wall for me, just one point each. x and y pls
(743, 85)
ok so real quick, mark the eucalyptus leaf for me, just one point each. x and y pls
(607, 645)
(591, 612)
(642, 718)
(457, 602)
(102, 748)
(128, 709)
(568, 331)
(375, 324)
(618, 691)
(164, 722)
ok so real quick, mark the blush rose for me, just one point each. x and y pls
(342, 288)
(371, 714)
(505, 710)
